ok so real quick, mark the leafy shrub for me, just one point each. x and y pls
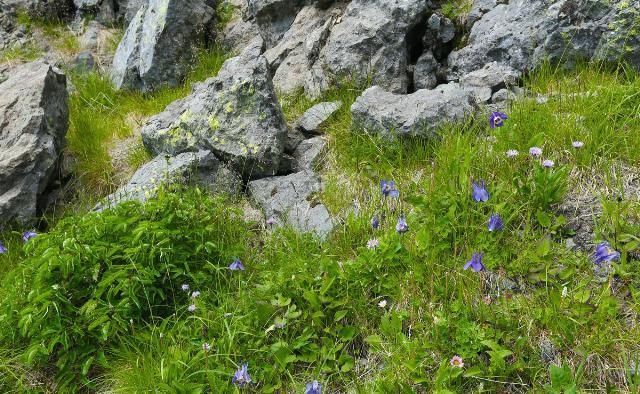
(94, 279)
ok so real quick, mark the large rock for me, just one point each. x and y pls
(308, 154)
(419, 113)
(159, 44)
(236, 115)
(274, 17)
(241, 29)
(45, 9)
(523, 33)
(483, 83)
(291, 200)
(315, 116)
(103, 10)
(371, 39)
(201, 168)
(33, 122)
(295, 55)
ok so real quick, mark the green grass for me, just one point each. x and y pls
(96, 302)
(99, 114)
(55, 31)
(27, 52)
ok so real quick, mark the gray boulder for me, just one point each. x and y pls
(425, 72)
(236, 115)
(530, 31)
(274, 17)
(103, 10)
(33, 123)
(45, 9)
(127, 9)
(201, 168)
(315, 116)
(160, 42)
(308, 154)
(291, 200)
(370, 39)
(488, 80)
(84, 62)
(296, 54)
(419, 113)
(238, 32)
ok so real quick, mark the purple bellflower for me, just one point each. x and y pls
(375, 222)
(496, 119)
(313, 388)
(402, 226)
(480, 193)
(27, 235)
(236, 265)
(241, 378)
(475, 263)
(604, 252)
(3, 249)
(388, 189)
(495, 223)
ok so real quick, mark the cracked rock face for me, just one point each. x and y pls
(296, 54)
(236, 115)
(419, 113)
(370, 39)
(158, 46)
(201, 168)
(290, 200)
(33, 123)
(523, 33)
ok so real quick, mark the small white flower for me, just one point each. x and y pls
(535, 151)
(185, 287)
(191, 308)
(564, 291)
(512, 153)
(373, 243)
(206, 347)
(195, 294)
(382, 304)
(577, 144)
(548, 163)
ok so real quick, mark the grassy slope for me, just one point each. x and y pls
(434, 308)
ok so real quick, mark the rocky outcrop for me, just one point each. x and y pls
(419, 113)
(158, 46)
(308, 154)
(296, 54)
(33, 122)
(491, 78)
(370, 39)
(291, 200)
(200, 168)
(236, 115)
(530, 31)
(315, 116)
(45, 9)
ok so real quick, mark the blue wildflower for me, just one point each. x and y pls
(388, 189)
(604, 252)
(236, 265)
(241, 378)
(496, 119)
(375, 222)
(475, 263)
(480, 193)
(3, 249)
(402, 226)
(495, 223)
(27, 235)
(313, 388)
